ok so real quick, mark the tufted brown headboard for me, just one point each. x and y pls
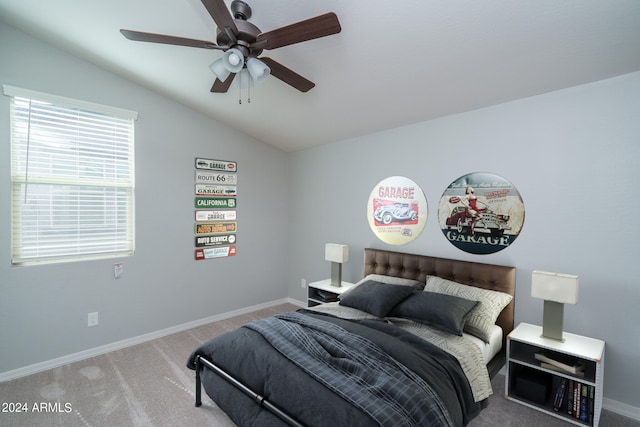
(411, 266)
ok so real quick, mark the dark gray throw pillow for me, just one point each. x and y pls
(376, 298)
(441, 311)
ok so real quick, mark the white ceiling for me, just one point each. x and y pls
(394, 63)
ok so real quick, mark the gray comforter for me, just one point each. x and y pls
(326, 371)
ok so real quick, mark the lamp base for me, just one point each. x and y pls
(552, 320)
(336, 274)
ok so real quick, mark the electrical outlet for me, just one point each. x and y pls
(92, 319)
(303, 283)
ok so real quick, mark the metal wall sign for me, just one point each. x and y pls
(223, 239)
(216, 165)
(397, 210)
(207, 177)
(216, 202)
(216, 190)
(216, 228)
(481, 213)
(221, 252)
(205, 216)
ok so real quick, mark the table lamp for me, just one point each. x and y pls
(337, 254)
(556, 290)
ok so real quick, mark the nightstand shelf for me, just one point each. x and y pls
(322, 291)
(531, 384)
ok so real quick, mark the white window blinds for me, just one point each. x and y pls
(72, 177)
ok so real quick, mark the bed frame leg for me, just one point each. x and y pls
(198, 383)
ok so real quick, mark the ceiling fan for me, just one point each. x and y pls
(242, 43)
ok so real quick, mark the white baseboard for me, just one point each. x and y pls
(118, 345)
(621, 409)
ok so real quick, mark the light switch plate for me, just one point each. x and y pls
(92, 319)
(117, 270)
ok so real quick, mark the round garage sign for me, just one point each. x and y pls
(481, 213)
(397, 210)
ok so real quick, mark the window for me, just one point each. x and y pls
(72, 179)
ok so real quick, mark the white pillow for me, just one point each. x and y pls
(482, 318)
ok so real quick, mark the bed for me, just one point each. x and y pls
(376, 357)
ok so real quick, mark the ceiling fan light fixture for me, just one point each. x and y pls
(219, 69)
(257, 69)
(233, 60)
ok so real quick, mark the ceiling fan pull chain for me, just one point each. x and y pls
(248, 91)
(239, 89)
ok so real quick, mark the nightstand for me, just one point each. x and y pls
(573, 397)
(322, 291)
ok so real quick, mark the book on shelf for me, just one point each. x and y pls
(570, 389)
(576, 400)
(568, 364)
(551, 367)
(326, 296)
(584, 403)
(561, 391)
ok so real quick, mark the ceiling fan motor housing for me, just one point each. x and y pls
(247, 32)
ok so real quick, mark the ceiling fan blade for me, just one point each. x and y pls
(288, 76)
(161, 38)
(222, 86)
(221, 15)
(309, 29)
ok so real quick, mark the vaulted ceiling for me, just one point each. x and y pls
(394, 63)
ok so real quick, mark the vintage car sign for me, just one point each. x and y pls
(481, 213)
(397, 210)
(204, 216)
(223, 239)
(216, 190)
(216, 228)
(207, 177)
(216, 202)
(216, 165)
(221, 252)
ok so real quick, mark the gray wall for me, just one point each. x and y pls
(574, 157)
(43, 309)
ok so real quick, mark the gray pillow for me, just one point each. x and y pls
(484, 316)
(398, 281)
(445, 312)
(376, 298)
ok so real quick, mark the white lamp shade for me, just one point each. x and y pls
(257, 69)
(336, 253)
(219, 69)
(556, 287)
(233, 60)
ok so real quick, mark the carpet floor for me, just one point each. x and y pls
(149, 385)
